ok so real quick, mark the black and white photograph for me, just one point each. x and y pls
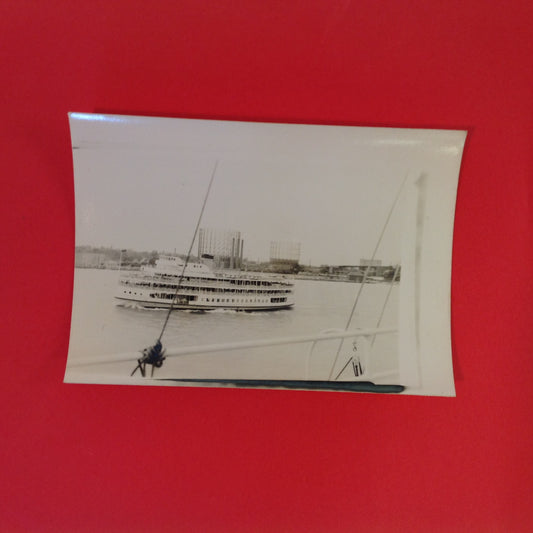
(239, 254)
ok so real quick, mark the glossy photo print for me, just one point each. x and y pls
(235, 254)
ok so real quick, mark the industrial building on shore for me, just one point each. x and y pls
(224, 247)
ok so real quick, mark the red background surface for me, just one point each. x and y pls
(109, 458)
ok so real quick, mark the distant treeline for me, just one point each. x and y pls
(108, 257)
(124, 256)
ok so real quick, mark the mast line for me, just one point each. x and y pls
(367, 269)
(180, 280)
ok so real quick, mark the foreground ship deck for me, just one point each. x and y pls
(198, 287)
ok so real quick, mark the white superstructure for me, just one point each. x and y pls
(202, 288)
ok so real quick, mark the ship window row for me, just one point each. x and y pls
(207, 281)
(216, 289)
(237, 300)
(185, 299)
(235, 291)
(247, 282)
(170, 296)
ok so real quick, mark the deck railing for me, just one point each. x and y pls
(367, 334)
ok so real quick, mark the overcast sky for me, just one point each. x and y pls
(140, 184)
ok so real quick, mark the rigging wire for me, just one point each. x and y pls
(382, 314)
(380, 319)
(155, 355)
(180, 279)
(365, 275)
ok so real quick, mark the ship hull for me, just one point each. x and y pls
(200, 307)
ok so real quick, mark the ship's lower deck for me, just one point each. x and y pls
(194, 306)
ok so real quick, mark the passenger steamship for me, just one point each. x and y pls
(202, 288)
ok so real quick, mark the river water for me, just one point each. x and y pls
(101, 327)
